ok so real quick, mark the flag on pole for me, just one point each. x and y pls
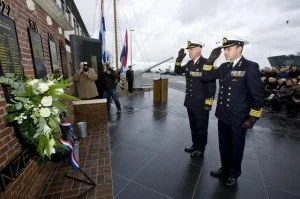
(124, 53)
(102, 34)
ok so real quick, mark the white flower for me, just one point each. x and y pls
(46, 101)
(43, 87)
(45, 112)
(23, 116)
(55, 111)
(33, 82)
(59, 91)
(49, 83)
(19, 119)
(27, 106)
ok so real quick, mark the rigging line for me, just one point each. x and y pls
(135, 39)
(126, 21)
(124, 24)
(141, 53)
(95, 16)
(121, 9)
(140, 32)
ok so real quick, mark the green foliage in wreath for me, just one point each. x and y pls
(36, 106)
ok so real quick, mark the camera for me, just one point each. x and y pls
(85, 67)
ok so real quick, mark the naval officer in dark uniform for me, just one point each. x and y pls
(199, 95)
(239, 106)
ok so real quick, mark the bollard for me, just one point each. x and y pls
(82, 129)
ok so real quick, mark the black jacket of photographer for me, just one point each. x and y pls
(110, 80)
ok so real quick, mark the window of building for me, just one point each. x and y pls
(75, 26)
(63, 6)
(68, 14)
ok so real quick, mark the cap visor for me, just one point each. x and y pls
(227, 46)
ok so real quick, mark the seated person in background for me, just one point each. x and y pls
(293, 73)
(85, 78)
(281, 83)
(283, 73)
(271, 88)
(295, 101)
(295, 81)
(283, 96)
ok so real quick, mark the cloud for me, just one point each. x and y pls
(163, 27)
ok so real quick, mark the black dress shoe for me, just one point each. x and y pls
(230, 182)
(219, 173)
(197, 153)
(190, 149)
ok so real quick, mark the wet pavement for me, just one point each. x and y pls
(148, 160)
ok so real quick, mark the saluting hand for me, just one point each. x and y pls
(215, 53)
(181, 55)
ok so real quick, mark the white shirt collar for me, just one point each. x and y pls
(197, 59)
(236, 61)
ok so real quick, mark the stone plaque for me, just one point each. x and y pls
(10, 56)
(53, 57)
(63, 57)
(37, 54)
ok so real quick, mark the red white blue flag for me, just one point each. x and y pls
(124, 53)
(102, 34)
(73, 156)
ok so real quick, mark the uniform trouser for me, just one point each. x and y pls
(231, 146)
(198, 124)
(130, 86)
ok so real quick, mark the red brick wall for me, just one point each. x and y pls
(33, 177)
(92, 113)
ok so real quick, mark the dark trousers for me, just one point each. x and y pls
(292, 108)
(111, 93)
(130, 86)
(198, 124)
(231, 146)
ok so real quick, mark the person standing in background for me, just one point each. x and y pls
(130, 79)
(110, 86)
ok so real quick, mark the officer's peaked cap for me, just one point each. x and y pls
(194, 44)
(229, 41)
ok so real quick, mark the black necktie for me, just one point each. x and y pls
(230, 66)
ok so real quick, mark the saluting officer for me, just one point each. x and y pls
(239, 106)
(199, 95)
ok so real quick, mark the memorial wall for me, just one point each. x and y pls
(25, 48)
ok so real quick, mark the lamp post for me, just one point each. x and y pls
(131, 46)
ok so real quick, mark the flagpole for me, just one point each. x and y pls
(116, 36)
(131, 46)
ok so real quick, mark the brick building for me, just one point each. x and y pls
(53, 19)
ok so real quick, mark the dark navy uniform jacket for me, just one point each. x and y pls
(241, 91)
(198, 92)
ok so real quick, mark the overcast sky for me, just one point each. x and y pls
(161, 28)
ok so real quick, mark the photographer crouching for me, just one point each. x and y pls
(85, 78)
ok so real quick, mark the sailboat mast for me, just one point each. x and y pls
(116, 36)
